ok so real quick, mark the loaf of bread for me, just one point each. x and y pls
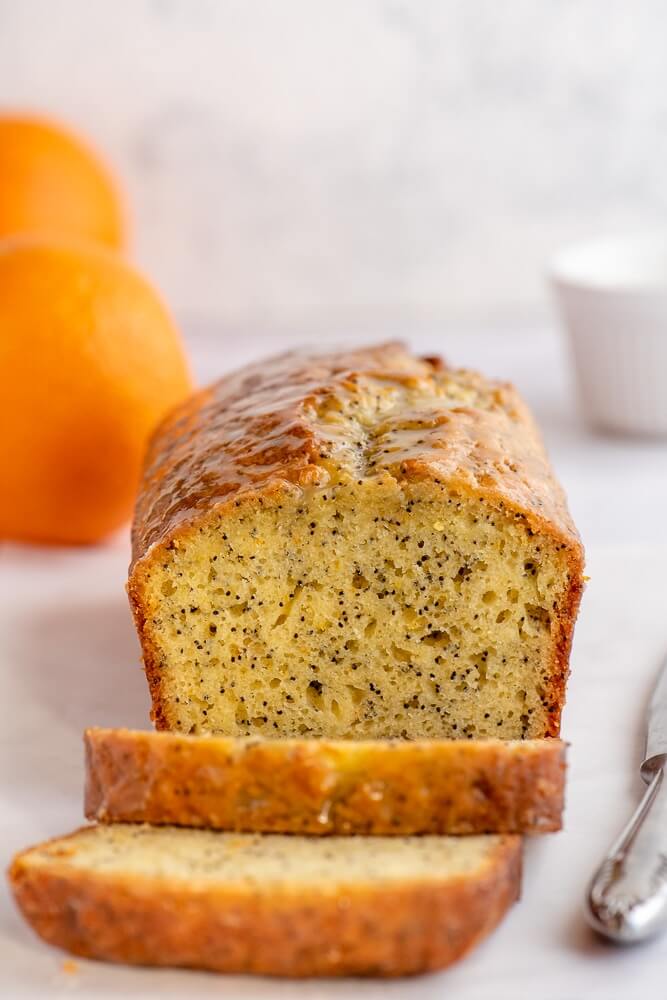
(267, 904)
(354, 545)
(321, 786)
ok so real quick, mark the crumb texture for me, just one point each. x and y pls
(260, 861)
(364, 545)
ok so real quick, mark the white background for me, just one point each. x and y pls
(312, 163)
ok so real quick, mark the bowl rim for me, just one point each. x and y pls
(581, 265)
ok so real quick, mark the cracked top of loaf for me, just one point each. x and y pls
(309, 418)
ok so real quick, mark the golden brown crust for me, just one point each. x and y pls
(374, 929)
(325, 787)
(263, 430)
(258, 430)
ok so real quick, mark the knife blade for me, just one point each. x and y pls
(627, 896)
(656, 730)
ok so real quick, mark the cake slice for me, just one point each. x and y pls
(323, 786)
(354, 545)
(268, 904)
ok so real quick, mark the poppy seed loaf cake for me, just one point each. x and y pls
(355, 545)
(265, 903)
(323, 787)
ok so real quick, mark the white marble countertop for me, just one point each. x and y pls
(70, 659)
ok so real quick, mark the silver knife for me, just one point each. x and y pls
(627, 897)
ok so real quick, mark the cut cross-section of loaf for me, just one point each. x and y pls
(323, 786)
(354, 545)
(267, 904)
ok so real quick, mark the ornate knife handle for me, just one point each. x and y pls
(627, 898)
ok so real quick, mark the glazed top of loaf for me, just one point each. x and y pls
(308, 418)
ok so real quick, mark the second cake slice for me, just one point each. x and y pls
(325, 786)
(269, 905)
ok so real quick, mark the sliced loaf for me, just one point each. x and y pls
(355, 545)
(323, 786)
(267, 904)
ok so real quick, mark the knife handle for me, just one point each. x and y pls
(627, 897)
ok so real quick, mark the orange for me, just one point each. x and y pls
(50, 182)
(89, 363)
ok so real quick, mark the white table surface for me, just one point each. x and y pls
(70, 659)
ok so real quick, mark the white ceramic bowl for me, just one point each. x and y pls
(612, 296)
